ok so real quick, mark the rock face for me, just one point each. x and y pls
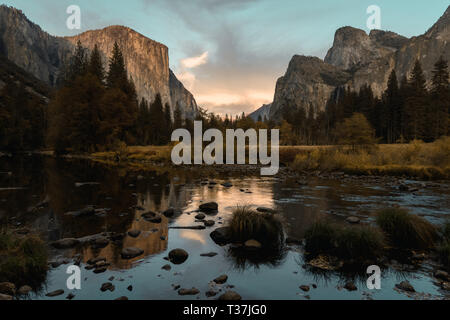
(42, 55)
(355, 59)
(308, 83)
(263, 111)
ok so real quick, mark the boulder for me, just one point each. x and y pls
(65, 243)
(23, 290)
(186, 292)
(5, 297)
(221, 279)
(350, 286)
(352, 220)
(169, 213)
(151, 217)
(200, 216)
(304, 288)
(209, 207)
(178, 256)
(134, 233)
(7, 288)
(405, 286)
(209, 223)
(221, 236)
(230, 295)
(131, 252)
(107, 286)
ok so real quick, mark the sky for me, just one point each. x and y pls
(230, 53)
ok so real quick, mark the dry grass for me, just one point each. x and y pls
(424, 160)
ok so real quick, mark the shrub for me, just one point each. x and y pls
(246, 224)
(24, 260)
(405, 230)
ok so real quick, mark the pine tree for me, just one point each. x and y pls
(168, 126)
(393, 109)
(416, 107)
(177, 118)
(440, 95)
(117, 74)
(95, 66)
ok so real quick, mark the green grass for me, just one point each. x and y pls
(405, 230)
(246, 224)
(23, 259)
(356, 243)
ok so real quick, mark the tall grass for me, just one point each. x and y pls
(246, 224)
(443, 248)
(405, 230)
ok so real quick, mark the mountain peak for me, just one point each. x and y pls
(442, 25)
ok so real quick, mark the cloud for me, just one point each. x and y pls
(194, 62)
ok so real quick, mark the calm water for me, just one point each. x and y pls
(73, 185)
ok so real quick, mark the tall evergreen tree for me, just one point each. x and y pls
(440, 95)
(95, 66)
(416, 104)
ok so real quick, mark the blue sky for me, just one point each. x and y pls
(237, 48)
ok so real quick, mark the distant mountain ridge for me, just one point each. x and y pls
(355, 59)
(41, 54)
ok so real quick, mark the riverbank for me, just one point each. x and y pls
(426, 161)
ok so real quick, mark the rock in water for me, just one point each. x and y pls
(209, 207)
(23, 290)
(7, 288)
(151, 217)
(134, 233)
(65, 243)
(230, 295)
(405, 286)
(221, 279)
(131, 252)
(221, 236)
(178, 256)
(352, 220)
(186, 292)
(55, 293)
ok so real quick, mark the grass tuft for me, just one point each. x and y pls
(246, 224)
(405, 230)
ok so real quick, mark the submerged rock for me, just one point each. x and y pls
(169, 213)
(178, 256)
(200, 216)
(209, 223)
(88, 211)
